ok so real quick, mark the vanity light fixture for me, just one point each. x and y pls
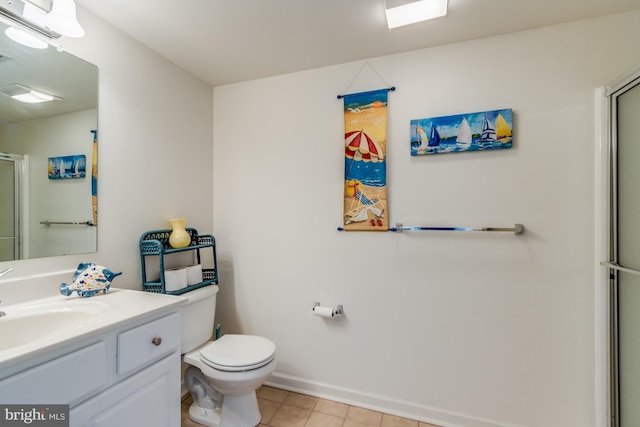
(16, 14)
(406, 12)
(63, 20)
(53, 19)
(25, 39)
(26, 94)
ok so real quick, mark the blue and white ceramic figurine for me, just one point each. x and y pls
(88, 280)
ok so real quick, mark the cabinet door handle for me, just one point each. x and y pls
(156, 341)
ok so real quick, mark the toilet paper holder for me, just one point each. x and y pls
(337, 310)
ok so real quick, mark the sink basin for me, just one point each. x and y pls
(28, 323)
(39, 320)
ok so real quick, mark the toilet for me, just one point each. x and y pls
(223, 375)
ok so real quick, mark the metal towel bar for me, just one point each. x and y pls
(517, 229)
(48, 222)
(614, 266)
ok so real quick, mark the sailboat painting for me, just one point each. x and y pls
(488, 130)
(67, 167)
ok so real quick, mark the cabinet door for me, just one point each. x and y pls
(67, 379)
(148, 398)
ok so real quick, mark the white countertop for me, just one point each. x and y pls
(107, 311)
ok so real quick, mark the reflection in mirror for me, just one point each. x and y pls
(48, 153)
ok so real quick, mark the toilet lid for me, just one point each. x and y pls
(238, 352)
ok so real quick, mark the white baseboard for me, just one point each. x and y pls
(385, 404)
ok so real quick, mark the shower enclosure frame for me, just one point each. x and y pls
(20, 204)
(607, 397)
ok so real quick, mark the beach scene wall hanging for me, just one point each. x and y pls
(365, 169)
(94, 178)
(487, 130)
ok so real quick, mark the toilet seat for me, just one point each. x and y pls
(233, 353)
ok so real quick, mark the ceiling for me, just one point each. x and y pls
(228, 41)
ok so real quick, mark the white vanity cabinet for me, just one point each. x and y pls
(150, 397)
(127, 375)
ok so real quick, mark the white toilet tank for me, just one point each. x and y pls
(198, 317)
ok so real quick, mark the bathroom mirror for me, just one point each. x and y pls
(48, 153)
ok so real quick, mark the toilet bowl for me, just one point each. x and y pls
(234, 366)
(224, 374)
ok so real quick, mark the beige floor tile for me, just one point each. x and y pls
(301, 400)
(352, 423)
(268, 408)
(280, 408)
(364, 416)
(184, 413)
(185, 421)
(318, 419)
(393, 421)
(290, 416)
(332, 408)
(274, 394)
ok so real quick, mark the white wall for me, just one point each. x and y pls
(459, 329)
(155, 151)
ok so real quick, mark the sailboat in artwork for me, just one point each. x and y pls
(464, 134)
(488, 136)
(428, 142)
(434, 138)
(424, 139)
(503, 131)
(61, 170)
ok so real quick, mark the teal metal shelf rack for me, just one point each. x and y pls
(156, 243)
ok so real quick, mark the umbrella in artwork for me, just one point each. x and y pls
(360, 146)
(363, 149)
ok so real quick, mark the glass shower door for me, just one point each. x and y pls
(626, 122)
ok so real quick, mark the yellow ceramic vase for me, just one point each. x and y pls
(179, 237)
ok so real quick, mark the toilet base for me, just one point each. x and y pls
(236, 411)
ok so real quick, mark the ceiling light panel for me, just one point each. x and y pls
(26, 94)
(402, 13)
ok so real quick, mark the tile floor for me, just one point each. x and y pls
(280, 408)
